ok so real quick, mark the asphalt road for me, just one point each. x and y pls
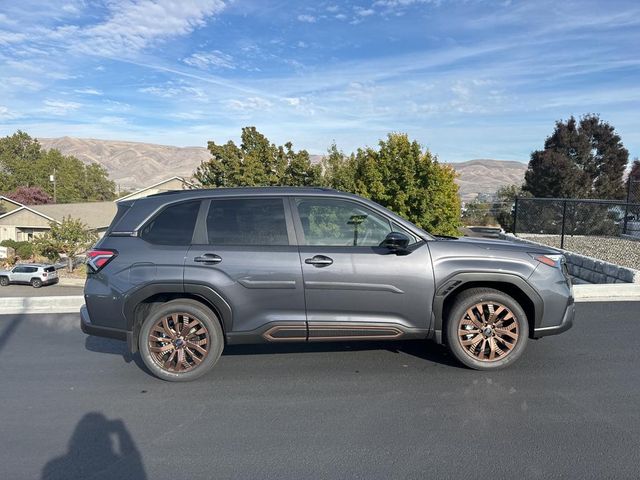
(77, 407)
(44, 291)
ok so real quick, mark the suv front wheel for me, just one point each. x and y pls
(180, 340)
(486, 329)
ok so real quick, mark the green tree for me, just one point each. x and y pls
(71, 237)
(24, 164)
(478, 212)
(256, 162)
(584, 159)
(403, 177)
(503, 205)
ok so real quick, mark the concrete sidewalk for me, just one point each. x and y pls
(611, 292)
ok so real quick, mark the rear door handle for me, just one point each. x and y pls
(319, 261)
(208, 258)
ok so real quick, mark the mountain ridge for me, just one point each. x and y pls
(135, 165)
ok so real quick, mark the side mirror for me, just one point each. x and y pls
(396, 242)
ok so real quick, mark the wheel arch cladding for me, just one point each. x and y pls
(139, 305)
(512, 285)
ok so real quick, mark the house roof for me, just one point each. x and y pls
(24, 207)
(155, 185)
(93, 214)
(7, 199)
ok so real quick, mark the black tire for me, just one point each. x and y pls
(489, 340)
(194, 311)
(4, 281)
(36, 282)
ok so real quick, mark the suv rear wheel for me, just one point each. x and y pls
(36, 282)
(486, 329)
(180, 340)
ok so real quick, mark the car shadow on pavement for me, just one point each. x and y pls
(421, 349)
(114, 347)
(99, 448)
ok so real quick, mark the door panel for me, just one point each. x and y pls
(255, 267)
(353, 287)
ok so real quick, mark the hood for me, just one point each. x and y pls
(498, 244)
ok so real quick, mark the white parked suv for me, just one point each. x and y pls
(34, 274)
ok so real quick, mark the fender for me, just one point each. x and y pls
(457, 280)
(207, 293)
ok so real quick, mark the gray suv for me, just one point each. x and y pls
(179, 275)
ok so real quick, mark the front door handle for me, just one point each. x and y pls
(208, 258)
(319, 261)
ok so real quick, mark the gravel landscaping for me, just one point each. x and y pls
(620, 251)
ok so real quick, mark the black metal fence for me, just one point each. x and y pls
(604, 229)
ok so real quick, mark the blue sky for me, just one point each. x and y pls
(468, 79)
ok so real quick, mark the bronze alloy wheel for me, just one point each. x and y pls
(488, 331)
(178, 342)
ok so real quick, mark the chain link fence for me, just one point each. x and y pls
(605, 229)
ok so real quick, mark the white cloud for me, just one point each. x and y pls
(205, 60)
(249, 104)
(88, 91)
(61, 108)
(6, 114)
(11, 37)
(134, 25)
(333, 8)
(171, 90)
(293, 101)
(341, 16)
(365, 12)
(307, 18)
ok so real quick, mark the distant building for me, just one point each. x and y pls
(173, 183)
(25, 222)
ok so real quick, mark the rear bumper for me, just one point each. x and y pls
(97, 330)
(566, 324)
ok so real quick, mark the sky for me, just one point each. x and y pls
(466, 78)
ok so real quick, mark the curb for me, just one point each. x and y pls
(29, 305)
(612, 292)
(71, 282)
(607, 292)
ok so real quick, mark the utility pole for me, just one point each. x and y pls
(52, 178)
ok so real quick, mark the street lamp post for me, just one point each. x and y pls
(52, 178)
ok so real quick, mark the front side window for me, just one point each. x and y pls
(340, 223)
(247, 221)
(174, 225)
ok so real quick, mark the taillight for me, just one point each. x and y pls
(97, 259)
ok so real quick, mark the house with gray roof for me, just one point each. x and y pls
(25, 222)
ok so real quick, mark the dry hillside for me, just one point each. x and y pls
(133, 165)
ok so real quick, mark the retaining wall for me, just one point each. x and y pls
(591, 269)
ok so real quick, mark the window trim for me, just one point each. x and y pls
(300, 229)
(203, 231)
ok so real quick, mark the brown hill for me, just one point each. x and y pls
(486, 176)
(133, 165)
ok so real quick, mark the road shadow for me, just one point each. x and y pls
(422, 349)
(99, 448)
(9, 331)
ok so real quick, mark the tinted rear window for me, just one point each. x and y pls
(174, 225)
(247, 222)
(49, 269)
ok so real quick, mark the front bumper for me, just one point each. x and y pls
(97, 330)
(566, 324)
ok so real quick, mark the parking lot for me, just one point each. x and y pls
(79, 407)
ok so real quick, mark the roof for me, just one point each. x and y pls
(7, 199)
(93, 214)
(150, 187)
(32, 210)
(234, 191)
